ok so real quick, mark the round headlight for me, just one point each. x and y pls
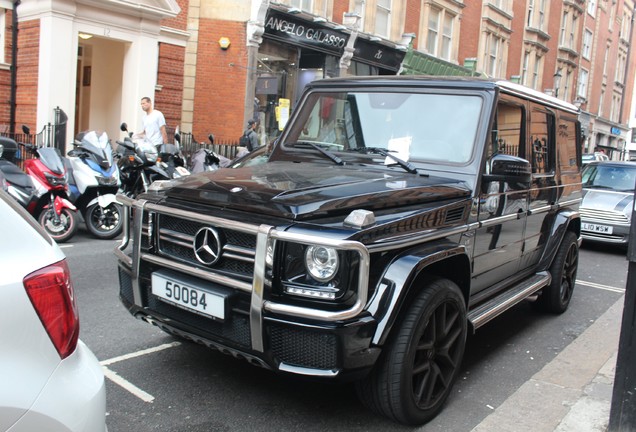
(321, 262)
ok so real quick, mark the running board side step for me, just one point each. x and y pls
(507, 299)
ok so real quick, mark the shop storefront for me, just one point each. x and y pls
(299, 48)
(294, 52)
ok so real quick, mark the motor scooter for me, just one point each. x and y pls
(93, 183)
(53, 210)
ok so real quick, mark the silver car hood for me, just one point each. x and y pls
(603, 199)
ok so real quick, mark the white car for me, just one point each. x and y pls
(49, 380)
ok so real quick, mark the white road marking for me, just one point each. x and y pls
(125, 384)
(139, 353)
(599, 286)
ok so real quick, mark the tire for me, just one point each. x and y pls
(62, 231)
(104, 222)
(419, 365)
(555, 298)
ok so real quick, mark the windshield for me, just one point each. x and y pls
(411, 126)
(614, 177)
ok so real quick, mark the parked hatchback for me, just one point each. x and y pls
(606, 210)
(50, 381)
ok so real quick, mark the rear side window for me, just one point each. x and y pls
(569, 151)
(542, 142)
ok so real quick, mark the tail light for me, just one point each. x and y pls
(51, 293)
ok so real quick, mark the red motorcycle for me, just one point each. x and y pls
(52, 209)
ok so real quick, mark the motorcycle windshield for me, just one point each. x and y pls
(98, 146)
(52, 158)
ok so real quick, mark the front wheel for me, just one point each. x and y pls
(418, 367)
(60, 228)
(104, 222)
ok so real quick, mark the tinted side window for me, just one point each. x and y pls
(542, 142)
(568, 148)
(508, 131)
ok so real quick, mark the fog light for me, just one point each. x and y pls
(307, 292)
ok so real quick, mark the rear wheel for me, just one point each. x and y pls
(61, 228)
(418, 367)
(556, 297)
(104, 222)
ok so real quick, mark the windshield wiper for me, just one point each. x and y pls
(322, 151)
(408, 167)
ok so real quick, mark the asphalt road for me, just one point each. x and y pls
(156, 383)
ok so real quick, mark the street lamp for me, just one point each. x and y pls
(557, 82)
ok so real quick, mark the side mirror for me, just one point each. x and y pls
(513, 170)
(211, 138)
(26, 130)
(123, 127)
(177, 137)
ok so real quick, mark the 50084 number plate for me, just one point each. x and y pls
(186, 296)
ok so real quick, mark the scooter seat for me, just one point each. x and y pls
(15, 175)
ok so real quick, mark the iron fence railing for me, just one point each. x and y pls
(189, 146)
(44, 138)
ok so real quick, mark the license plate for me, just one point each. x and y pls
(186, 296)
(603, 229)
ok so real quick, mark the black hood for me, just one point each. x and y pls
(303, 191)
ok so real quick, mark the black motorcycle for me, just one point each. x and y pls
(138, 164)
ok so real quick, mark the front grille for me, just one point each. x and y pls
(125, 285)
(176, 240)
(607, 216)
(304, 348)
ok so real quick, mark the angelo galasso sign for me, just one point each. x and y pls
(287, 29)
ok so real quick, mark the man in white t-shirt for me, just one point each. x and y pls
(154, 123)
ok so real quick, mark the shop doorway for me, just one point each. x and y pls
(98, 87)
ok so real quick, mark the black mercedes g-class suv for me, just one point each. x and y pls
(394, 215)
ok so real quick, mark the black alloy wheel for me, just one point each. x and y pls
(556, 297)
(418, 368)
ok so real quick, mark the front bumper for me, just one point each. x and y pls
(278, 336)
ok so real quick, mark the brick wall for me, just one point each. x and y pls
(220, 81)
(470, 36)
(170, 77)
(412, 19)
(180, 21)
(27, 73)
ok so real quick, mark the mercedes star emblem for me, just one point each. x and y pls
(207, 246)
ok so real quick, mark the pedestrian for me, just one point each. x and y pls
(154, 123)
(250, 138)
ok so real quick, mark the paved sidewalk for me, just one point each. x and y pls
(573, 392)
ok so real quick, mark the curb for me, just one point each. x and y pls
(571, 393)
